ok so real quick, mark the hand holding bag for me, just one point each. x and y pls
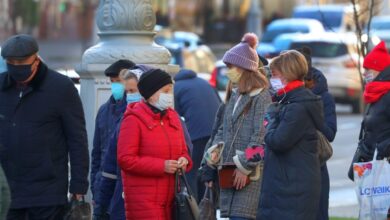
(185, 206)
(78, 210)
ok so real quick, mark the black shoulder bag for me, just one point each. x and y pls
(185, 206)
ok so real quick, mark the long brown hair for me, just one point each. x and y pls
(250, 81)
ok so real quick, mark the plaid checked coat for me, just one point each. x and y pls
(242, 203)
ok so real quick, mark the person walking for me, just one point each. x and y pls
(317, 83)
(42, 130)
(242, 131)
(291, 181)
(376, 122)
(106, 119)
(151, 149)
(197, 103)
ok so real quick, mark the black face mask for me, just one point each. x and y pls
(19, 73)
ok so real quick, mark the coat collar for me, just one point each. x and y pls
(150, 118)
(245, 99)
(35, 82)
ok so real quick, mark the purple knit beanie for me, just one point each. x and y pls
(244, 54)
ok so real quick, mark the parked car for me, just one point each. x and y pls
(338, 62)
(286, 26)
(3, 65)
(336, 18)
(380, 28)
(279, 44)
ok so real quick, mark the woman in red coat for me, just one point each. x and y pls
(151, 148)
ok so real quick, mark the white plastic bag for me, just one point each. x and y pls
(373, 188)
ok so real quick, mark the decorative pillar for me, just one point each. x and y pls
(126, 32)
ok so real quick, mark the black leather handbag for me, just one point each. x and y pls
(78, 210)
(185, 206)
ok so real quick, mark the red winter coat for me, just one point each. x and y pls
(145, 142)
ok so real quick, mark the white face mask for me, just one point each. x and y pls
(276, 84)
(164, 102)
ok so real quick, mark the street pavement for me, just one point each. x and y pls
(342, 199)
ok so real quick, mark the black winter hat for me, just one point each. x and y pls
(115, 68)
(152, 81)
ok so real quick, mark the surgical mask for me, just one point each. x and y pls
(233, 75)
(276, 84)
(369, 76)
(133, 97)
(118, 90)
(164, 102)
(19, 73)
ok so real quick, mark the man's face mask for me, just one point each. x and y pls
(20, 73)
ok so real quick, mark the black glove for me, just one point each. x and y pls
(207, 174)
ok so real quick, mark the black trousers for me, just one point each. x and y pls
(197, 187)
(37, 213)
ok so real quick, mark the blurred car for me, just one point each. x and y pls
(337, 18)
(3, 65)
(279, 44)
(336, 56)
(187, 39)
(286, 26)
(380, 28)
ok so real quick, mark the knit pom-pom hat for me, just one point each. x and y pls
(244, 54)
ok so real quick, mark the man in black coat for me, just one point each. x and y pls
(42, 128)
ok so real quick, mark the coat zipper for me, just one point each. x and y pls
(170, 150)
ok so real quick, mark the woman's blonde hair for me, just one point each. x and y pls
(291, 64)
(250, 81)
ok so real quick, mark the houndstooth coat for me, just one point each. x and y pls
(242, 203)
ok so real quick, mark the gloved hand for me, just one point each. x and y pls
(254, 153)
(207, 174)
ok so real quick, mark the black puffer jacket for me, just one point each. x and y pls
(377, 123)
(291, 179)
(42, 127)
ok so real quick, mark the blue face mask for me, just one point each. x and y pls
(133, 97)
(118, 90)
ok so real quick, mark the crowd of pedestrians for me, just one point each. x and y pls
(256, 149)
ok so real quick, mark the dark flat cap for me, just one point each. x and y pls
(115, 68)
(19, 47)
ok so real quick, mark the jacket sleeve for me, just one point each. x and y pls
(257, 137)
(109, 174)
(96, 153)
(185, 150)
(128, 148)
(187, 137)
(330, 126)
(284, 136)
(76, 136)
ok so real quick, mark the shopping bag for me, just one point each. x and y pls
(207, 207)
(373, 188)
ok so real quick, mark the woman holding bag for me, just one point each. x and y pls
(291, 179)
(375, 130)
(151, 149)
(242, 132)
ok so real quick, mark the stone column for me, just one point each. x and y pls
(125, 32)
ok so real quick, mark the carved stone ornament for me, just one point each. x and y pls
(126, 32)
